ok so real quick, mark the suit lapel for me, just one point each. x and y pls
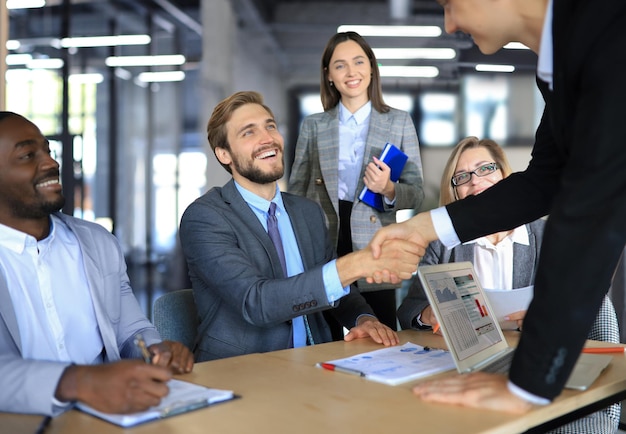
(239, 206)
(8, 314)
(377, 135)
(301, 231)
(524, 260)
(95, 282)
(328, 149)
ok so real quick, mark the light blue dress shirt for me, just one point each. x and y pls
(332, 284)
(353, 129)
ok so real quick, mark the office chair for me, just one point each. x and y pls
(175, 316)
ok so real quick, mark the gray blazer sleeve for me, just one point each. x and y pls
(416, 300)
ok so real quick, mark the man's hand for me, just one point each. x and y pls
(397, 261)
(418, 230)
(518, 317)
(428, 317)
(477, 390)
(173, 355)
(127, 386)
(370, 327)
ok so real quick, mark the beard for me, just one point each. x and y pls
(37, 210)
(248, 170)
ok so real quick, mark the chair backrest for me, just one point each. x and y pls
(175, 316)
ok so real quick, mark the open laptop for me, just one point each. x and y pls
(473, 335)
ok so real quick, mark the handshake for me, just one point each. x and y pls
(393, 253)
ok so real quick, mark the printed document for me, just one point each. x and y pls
(506, 301)
(395, 365)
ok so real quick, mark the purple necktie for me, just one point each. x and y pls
(272, 230)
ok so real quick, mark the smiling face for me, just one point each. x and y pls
(29, 177)
(491, 23)
(470, 160)
(350, 72)
(256, 148)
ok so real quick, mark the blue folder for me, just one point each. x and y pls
(393, 157)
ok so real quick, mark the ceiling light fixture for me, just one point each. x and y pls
(415, 53)
(516, 46)
(409, 71)
(494, 68)
(25, 4)
(105, 41)
(13, 44)
(163, 60)
(18, 59)
(87, 78)
(397, 31)
(162, 76)
(49, 63)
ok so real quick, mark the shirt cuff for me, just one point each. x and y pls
(332, 283)
(361, 316)
(444, 228)
(390, 203)
(527, 396)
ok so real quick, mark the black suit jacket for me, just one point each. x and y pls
(577, 174)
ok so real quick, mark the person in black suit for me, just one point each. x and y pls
(576, 176)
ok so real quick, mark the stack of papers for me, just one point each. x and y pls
(395, 365)
(183, 397)
(506, 301)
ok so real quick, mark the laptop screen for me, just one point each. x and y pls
(463, 309)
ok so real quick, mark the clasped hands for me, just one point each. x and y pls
(398, 248)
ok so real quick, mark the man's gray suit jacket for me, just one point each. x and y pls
(28, 386)
(244, 303)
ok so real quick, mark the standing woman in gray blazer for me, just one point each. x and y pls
(336, 156)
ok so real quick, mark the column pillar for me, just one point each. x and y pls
(219, 33)
(4, 37)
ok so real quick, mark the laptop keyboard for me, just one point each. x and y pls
(500, 365)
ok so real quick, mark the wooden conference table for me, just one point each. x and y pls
(283, 392)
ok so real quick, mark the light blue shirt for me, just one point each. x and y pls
(353, 129)
(545, 66)
(56, 316)
(332, 284)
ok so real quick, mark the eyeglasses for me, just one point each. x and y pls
(465, 177)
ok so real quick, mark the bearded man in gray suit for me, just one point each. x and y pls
(247, 301)
(66, 305)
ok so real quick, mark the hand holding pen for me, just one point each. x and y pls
(125, 386)
(169, 354)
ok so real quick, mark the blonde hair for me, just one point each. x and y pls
(447, 192)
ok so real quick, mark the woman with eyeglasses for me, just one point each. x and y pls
(504, 260)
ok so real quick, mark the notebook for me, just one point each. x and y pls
(472, 332)
(393, 157)
(182, 398)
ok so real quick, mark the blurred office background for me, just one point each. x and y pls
(124, 89)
